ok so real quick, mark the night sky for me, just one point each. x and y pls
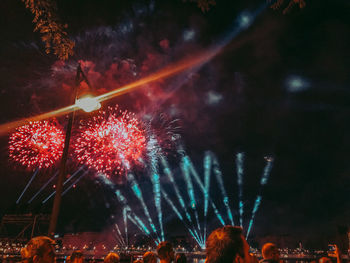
(279, 88)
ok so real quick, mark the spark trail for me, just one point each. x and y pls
(192, 170)
(152, 143)
(28, 184)
(176, 211)
(65, 182)
(131, 215)
(128, 212)
(120, 235)
(239, 165)
(255, 209)
(119, 240)
(137, 222)
(125, 218)
(207, 166)
(209, 163)
(185, 164)
(138, 193)
(43, 187)
(218, 175)
(263, 182)
(169, 174)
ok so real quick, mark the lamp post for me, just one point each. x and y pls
(88, 104)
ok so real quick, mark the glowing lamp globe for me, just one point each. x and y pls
(88, 103)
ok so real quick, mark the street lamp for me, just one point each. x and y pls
(87, 103)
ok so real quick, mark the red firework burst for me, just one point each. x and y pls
(38, 144)
(110, 142)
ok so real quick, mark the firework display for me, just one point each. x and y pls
(38, 144)
(110, 142)
(163, 133)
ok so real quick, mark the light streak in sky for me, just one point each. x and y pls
(64, 183)
(28, 184)
(43, 187)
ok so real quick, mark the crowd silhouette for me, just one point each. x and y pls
(224, 245)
